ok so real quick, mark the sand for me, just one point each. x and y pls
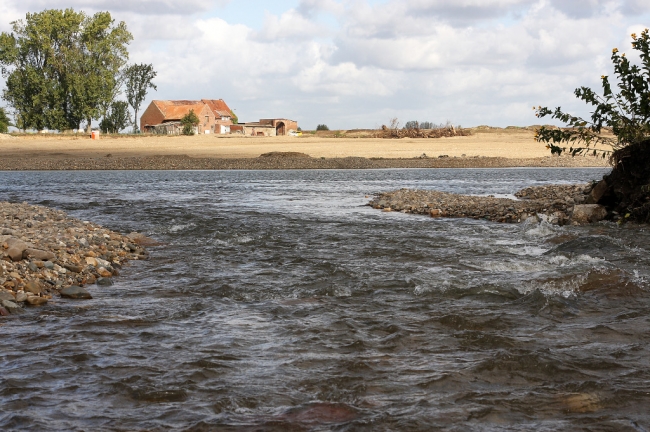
(499, 143)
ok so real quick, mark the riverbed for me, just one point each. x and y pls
(279, 300)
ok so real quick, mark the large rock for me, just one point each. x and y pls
(597, 192)
(36, 300)
(75, 292)
(33, 287)
(142, 240)
(588, 213)
(10, 306)
(6, 295)
(16, 248)
(38, 254)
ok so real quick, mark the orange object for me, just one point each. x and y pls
(94, 135)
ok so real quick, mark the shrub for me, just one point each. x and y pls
(189, 122)
(322, 127)
(626, 113)
(4, 121)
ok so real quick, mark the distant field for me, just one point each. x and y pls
(491, 142)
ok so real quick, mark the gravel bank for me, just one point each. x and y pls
(44, 254)
(557, 204)
(183, 162)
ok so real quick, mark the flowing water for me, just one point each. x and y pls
(278, 301)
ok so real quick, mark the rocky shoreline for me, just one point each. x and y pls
(555, 204)
(280, 161)
(44, 254)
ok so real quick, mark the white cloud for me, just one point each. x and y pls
(350, 63)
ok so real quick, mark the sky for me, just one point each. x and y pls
(360, 63)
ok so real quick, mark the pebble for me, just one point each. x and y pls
(43, 251)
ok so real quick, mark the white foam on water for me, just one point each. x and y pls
(181, 227)
(510, 266)
(542, 229)
(561, 260)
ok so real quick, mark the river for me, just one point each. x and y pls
(279, 301)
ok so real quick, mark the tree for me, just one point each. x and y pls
(4, 121)
(116, 118)
(322, 127)
(233, 116)
(62, 67)
(138, 78)
(619, 127)
(189, 122)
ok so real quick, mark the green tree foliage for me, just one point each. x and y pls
(138, 79)
(235, 119)
(322, 127)
(413, 124)
(4, 121)
(116, 118)
(625, 112)
(189, 122)
(62, 67)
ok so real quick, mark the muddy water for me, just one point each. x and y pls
(280, 302)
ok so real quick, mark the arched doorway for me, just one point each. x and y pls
(280, 129)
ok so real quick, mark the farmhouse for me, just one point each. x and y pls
(266, 127)
(164, 117)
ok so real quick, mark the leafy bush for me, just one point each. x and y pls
(189, 122)
(322, 127)
(117, 118)
(626, 113)
(4, 121)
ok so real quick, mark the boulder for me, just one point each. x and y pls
(104, 281)
(38, 254)
(588, 213)
(21, 297)
(10, 306)
(6, 295)
(142, 240)
(75, 292)
(597, 192)
(73, 268)
(33, 287)
(16, 247)
(36, 300)
(104, 272)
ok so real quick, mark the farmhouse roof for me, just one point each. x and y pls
(218, 106)
(177, 109)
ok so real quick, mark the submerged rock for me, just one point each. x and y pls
(75, 292)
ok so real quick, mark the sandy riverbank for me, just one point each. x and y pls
(491, 148)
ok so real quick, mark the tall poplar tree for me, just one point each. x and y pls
(138, 78)
(62, 67)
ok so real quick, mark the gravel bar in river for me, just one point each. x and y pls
(555, 204)
(45, 253)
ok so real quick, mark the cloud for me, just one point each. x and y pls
(291, 25)
(145, 7)
(357, 63)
